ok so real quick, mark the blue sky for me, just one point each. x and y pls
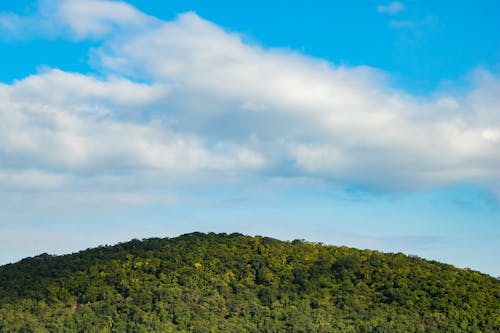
(365, 123)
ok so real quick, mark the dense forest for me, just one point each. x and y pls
(235, 283)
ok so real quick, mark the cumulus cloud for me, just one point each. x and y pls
(97, 18)
(78, 126)
(55, 87)
(217, 105)
(77, 19)
(392, 8)
(337, 122)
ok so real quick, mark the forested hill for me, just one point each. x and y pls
(235, 283)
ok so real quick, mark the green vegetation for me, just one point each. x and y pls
(234, 283)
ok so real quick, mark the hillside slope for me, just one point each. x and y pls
(235, 283)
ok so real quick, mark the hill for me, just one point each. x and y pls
(235, 283)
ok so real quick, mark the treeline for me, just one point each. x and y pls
(235, 283)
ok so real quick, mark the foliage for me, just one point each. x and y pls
(235, 283)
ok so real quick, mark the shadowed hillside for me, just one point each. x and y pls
(235, 283)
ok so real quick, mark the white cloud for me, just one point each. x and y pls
(392, 8)
(77, 19)
(97, 18)
(216, 105)
(56, 87)
(340, 122)
(73, 122)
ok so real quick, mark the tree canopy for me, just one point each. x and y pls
(235, 283)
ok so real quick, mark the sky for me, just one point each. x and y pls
(371, 124)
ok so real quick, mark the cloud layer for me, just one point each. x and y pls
(186, 99)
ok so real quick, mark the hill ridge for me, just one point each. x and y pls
(208, 282)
